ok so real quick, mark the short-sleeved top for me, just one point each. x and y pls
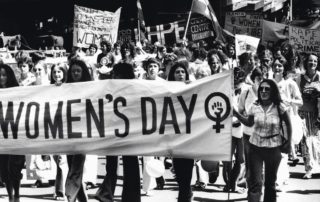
(309, 103)
(266, 124)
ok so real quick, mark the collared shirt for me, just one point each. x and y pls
(266, 124)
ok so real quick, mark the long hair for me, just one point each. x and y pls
(173, 69)
(85, 72)
(63, 68)
(274, 92)
(11, 78)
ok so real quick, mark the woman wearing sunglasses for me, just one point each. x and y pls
(265, 116)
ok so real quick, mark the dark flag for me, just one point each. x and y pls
(141, 24)
(204, 8)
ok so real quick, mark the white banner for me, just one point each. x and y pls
(305, 40)
(92, 26)
(120, 117)
(246, 43)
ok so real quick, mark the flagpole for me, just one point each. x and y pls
(185, 33)
(139, 37)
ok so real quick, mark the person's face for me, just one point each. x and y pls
(277, 68)
(3, 78)
(249, 65)
(57, 74)
(180, 74)
(126, 51)
(76, 72)
(265, 90)
(231, 51)
(93, 50)
(117, 49)
(105, 48)
(24, 67)
(312, 63)
(266, 61)
(38, 70)
(214, 61)
(153, 70)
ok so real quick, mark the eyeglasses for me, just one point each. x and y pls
(265, 89)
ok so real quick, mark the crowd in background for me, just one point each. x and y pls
(271, 86)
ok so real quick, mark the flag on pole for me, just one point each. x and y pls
(141, 23)
(203, 7)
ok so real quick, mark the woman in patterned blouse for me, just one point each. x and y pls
(265, 116)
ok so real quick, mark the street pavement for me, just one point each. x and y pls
(297, 190)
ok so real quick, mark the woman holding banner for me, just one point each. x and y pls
(152, 67)
(183, 167)
(131, 173)
(58, 76)
(10, 165)
(75, 189)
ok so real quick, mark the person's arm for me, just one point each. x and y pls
(246, 120)
(296, 95)
(287, 145)
(286, 119)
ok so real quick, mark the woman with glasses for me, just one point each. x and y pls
(265, 116)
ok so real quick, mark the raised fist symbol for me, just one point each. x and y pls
(217, 108)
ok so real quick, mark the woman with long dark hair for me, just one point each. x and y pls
(75, 189)
(266, 116)
(10, 165)
(183, 167)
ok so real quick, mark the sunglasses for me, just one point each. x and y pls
(265, 89)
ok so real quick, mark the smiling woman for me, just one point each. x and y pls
(265, 116)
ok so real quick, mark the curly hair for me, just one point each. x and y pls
(173, 69)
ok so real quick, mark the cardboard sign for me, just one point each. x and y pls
(92, 26)
(244, 23)
(305, 40)
(120, 117)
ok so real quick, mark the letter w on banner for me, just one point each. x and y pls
(91, 26)
(203, 7)
(120, 117)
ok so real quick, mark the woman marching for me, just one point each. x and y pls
(291, 96)
(309, 83)
(75, 189)
(58, 76)
(183, 167)
(266, 116)
(11, 165)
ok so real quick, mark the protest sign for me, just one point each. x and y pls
(246, 43)
(273, 32)
(249, 23)
(199, 28)
(305, 40)
(120, 117)
(91, 26)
